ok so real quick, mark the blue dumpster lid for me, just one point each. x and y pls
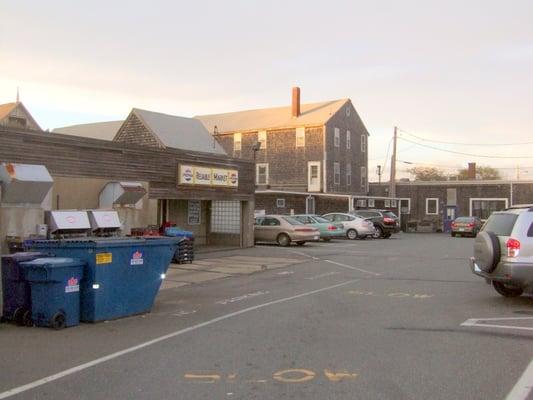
(24, 255)
(102, 242)
(53, 262)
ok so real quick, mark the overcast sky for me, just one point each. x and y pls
(456, 71)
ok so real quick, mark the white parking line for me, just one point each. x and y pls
(350, 267)
(480, 323)
(524, 386)
(79, 368)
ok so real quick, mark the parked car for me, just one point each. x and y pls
(503, 251)
(327, 229)
(464, 226)
(385, 221)
(355, 227)
(283, 229)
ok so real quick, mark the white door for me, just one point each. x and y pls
(313, 176)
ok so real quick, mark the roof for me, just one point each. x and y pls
(179, 132)
(269, 118)
(17, 109)
(5, 109)
(98, 130)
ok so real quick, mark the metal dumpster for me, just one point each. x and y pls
(15, 288)
(55, 290)
(122, 276)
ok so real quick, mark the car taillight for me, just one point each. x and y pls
(513, 247)
(454, 224)
(388, 220)
(332, 228)
(470, 225)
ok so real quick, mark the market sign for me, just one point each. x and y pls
(205, 176)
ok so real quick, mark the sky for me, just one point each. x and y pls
(454, 71)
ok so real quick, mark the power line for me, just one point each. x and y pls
(462, 153)
(464, 144)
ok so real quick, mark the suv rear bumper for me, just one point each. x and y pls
(516, 274)
(391, 229)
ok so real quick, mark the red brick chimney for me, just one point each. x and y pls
(296, 101)
(471, 171)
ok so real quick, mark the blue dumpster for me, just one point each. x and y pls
(175, 231)
(122, 276)
(15, 289)
(55, 290)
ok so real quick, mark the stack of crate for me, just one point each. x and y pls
(185, 251)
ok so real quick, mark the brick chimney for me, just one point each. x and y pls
(471, 171)
(296, 101)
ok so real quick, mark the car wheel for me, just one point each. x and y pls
(300, 243)
(378, 233)
(351, 234)
(386, 235)
(284, 240)
(507, 291)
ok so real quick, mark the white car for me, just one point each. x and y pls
(355, 227)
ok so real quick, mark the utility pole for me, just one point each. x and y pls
(379, 174)
(392, 183)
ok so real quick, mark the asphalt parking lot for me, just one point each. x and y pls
(376, 319)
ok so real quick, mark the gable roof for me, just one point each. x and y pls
(269, 118)
(97, 130)
(179, 132)
(16, 109)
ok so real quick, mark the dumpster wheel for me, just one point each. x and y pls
(18, 316)
(26, 319)
(58, 321)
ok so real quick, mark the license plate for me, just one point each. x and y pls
(317, 237)
(461, 229)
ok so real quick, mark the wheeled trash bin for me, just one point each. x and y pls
(55, 290)
(123, 275)
(16, 296)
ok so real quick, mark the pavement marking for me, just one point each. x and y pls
(285, 273)
(325, 274)
(339, 376)
(524, 386)
(203, 378)
(183, 313)
(109, 357)
(243, 297)
(480, 323)
(393, 295)
(354, 268)
(306, 375)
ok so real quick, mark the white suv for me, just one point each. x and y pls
(503, 251)
(355, 227)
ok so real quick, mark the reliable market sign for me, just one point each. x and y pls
(205, 176)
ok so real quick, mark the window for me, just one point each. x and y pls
(261, 174)
(280, 203)
(363, 143)
(237, 140)
(361, 203)
(348, 111)
(482, 208)
(348, 140)
(225, 216)
(371, 203)
(348, 174)
(501, 224)
(337, 137)
(432, 206)
(393, 203)
(405, 206)
(300, 137)
(262, 138)
(386, 203)
(336, 173)
(270, 222)
(363, 178)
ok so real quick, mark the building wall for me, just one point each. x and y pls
(296, 204)
(341, 154)
(287, 163)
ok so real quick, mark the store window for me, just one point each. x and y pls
(225, 216)
(261, 174)
(432, 206)
(482, 208)
(300, 137)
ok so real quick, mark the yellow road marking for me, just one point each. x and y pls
(339, 376)
(203, 378)
(307, 375)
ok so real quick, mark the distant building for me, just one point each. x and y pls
(106, 130)
(306, 151)
(16, 116)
